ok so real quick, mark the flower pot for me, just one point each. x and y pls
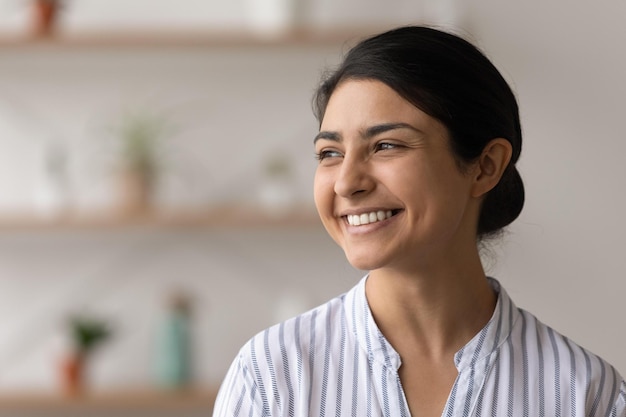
(45, 16)
(73, 374)
(135, 193)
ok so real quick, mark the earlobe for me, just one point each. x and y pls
(491, 165)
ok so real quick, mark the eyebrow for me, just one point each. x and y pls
(368, 133)
(334, 136)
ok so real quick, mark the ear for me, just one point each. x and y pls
(491, 165)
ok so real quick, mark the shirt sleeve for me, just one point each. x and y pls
(619, 410)
(238, 394)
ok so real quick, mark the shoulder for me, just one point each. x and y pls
(273, 368)
(296, 337)
(575, 370)
(546, 344)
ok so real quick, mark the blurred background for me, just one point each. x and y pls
(156, 164)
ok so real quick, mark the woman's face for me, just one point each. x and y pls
(387, 188)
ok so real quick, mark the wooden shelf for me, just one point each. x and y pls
(225, 217)
(131, 399)
(178, 39)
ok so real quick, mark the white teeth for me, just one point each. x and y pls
(367, 218)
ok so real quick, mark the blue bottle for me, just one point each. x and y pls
(174, 345)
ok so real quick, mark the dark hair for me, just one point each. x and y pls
(449, 79)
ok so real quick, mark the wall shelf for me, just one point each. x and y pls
(178, 39)
(130, 399)
(222, 217)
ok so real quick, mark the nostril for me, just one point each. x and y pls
(352, 182)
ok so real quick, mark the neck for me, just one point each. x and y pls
(431, 311)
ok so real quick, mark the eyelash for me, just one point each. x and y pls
(324, 154)
(380, 146)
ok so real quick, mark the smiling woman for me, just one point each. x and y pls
(419, 136)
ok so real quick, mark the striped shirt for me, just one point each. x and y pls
(334, 361)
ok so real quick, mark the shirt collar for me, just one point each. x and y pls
(361, 322)
(495, 332)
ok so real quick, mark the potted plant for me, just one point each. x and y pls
(140, 137)
(86, 333)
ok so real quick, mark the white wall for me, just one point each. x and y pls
(563, 259)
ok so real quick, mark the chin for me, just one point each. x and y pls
(364, 262)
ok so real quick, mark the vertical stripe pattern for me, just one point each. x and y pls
(334, 361)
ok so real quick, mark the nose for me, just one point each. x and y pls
(353, 178)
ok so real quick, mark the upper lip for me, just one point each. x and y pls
(359, 211)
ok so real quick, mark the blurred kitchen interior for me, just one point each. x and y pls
(155, 179)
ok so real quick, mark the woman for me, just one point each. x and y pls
(419, 136)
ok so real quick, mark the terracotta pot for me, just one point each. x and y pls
(45, 14)
(73, 374)
(135, 193)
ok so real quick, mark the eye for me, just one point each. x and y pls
(383, 146)
(327, 153)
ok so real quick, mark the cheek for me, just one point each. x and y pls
(323, 194)
(450, 201)
(433, 188)
(322, 189)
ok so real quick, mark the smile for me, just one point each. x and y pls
(368, 218)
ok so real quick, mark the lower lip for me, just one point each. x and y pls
(370, 227)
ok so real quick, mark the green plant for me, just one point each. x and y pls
(141, 135)
(88, 332)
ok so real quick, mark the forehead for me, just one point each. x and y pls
(362, 103)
